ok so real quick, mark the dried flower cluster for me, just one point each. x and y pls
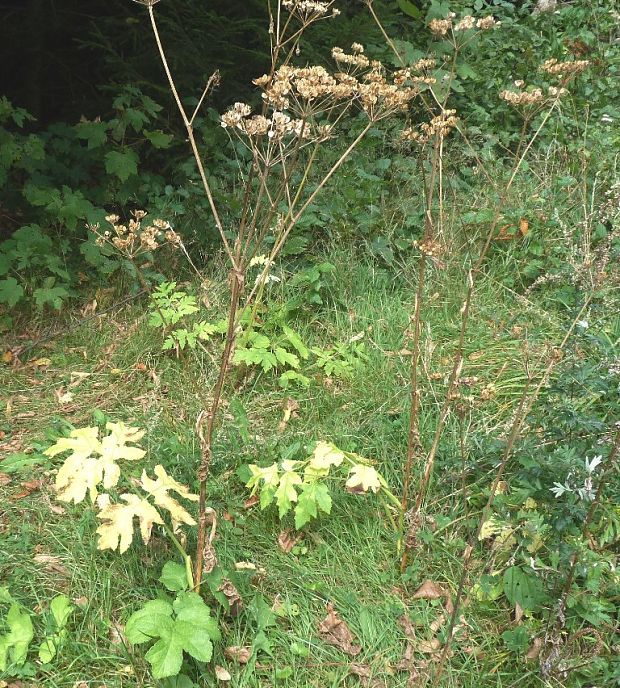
(430, 247)
(523, 96)
(308, 91)
(134, 238)
(439, 126)
(441, 27)
(309, 10)
(564, 69)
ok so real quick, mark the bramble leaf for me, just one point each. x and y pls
(363, 478)
(122, 164)
(159, 490)
(117, 527)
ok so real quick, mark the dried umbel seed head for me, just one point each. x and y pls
(440, 27)
(486, 23)
(309, 9)
(564, 69)
(356, 58)
(466, 23)
(430, 247)
(522, 97)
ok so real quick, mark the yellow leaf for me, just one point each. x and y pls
(42, 362)
(81, 472)
(117, 527)
(159, 490)
(77, 476)
(82, 442)
(363, 478)
(325, 455)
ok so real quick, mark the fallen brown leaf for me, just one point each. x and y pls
(429, 646)
(29, 487)
(364, 673)
(222, 674)
(51, 564)
(287, 540)
(238, 653)
(535, 649)
(429, 591)
(5, 479)
(232, 595)
(334, 631)
(252, 501)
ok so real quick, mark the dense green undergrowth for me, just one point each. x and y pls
(110, 342)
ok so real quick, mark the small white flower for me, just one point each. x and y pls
(584, 324)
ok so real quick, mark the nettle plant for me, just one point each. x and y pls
(304, 486)
(184, 625)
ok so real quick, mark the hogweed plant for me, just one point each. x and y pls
(303, 107)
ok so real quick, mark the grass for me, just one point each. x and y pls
(113, 364)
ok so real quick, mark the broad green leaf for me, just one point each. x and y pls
(61, 609)
(121, 164)
(10, 291)
(117, 527)
(158, 139)
(166, 655)
(190, 607)
(268, 475)
(48, 649)
(194, 640)
(363, 478)
(20, 633)
(296, 341)
(522, 588)
(4, 651)
(94, 132)
(313, 496)
(159, 490)
(286, 357)
(174, 576)
(286, 493)
(147, 623)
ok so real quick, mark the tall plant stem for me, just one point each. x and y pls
(205, 434)
(192, 139)
(523, 410)
(466, 310)
(413, 435)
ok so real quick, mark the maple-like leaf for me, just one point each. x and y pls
(77, 476)
(117, 527)
(159, 490)
(81, 472)
(286, 492)
(324, 456)
(82, 443)
(363, 478)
